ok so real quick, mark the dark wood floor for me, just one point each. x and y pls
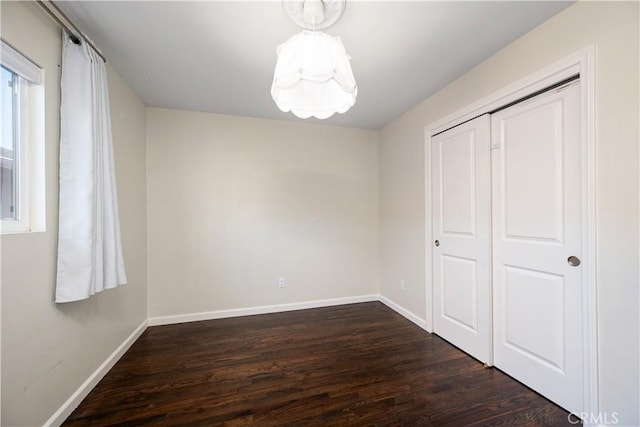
(359, 364)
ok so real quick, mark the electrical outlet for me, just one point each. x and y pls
(281, 283)
(402, 285)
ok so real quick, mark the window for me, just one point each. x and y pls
(9, 172)
(21, 143)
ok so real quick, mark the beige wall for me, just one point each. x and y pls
(234, 203)
(613, 28)
(49, 350)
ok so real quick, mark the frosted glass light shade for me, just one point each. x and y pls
(313, 76)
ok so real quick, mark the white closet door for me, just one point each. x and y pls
(461, 195)
(537, 205)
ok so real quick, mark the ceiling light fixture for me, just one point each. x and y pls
(313, 76)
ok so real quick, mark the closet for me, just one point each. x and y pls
(507, 212)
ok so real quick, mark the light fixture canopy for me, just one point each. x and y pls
(313, 76)
(314, 14)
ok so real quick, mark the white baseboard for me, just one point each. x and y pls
(72, 403)
(223, 314)
(403, 312)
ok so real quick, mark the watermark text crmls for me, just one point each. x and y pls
(601, 418)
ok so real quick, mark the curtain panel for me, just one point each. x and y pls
(89, 247)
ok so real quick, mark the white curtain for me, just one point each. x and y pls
(89, 248)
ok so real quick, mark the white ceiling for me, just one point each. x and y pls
(218, 56)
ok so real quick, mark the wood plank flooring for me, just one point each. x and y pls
(351, 365)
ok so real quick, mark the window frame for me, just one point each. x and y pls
(29, 150)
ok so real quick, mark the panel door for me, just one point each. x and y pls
(537, 211)
(461, 202)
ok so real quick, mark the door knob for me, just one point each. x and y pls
(437, 243)
(573, 261)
